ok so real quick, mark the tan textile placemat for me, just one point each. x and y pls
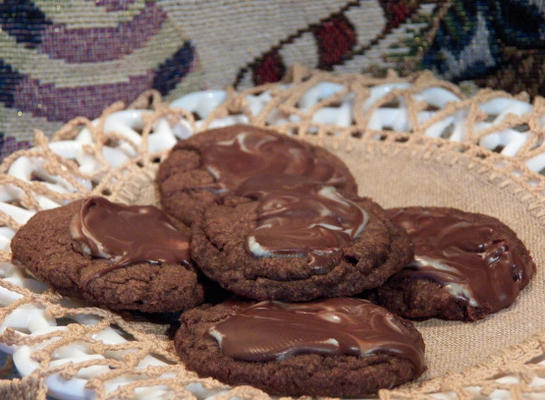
(396, 169)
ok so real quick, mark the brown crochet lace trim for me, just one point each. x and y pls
(133, 182)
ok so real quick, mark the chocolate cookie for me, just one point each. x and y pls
(465, 267)
(342, 347)
(201, 170)
(288, 238)
(121, 257)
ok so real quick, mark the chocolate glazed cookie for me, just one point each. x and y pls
(465, 267)
(342, 347)
(120, 257)
(288, 238)
(200, 171)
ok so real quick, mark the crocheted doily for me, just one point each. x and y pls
(408, 141)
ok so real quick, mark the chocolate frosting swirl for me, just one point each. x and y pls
(127, 234)
(256, 152)
(299, 217)
(473, 260)
(272, 330)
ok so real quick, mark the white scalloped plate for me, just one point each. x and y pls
(30, 320)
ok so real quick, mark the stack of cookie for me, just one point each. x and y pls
(278, 224)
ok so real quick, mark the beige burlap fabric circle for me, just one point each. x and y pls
(396, 168)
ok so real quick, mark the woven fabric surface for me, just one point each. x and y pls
(63, 59)
(397, 166)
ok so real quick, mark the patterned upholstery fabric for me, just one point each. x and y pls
(61, 59)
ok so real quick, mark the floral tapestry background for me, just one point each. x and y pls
(61, 59)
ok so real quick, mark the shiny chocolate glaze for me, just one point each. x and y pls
(473, 260)
(252, 153)
(299, 217)
(127, 234)
(272, 330)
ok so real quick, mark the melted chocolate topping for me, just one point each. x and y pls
(472, 260)
(299, 217)
(272, 330)
(127, 234)
(252, 153)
